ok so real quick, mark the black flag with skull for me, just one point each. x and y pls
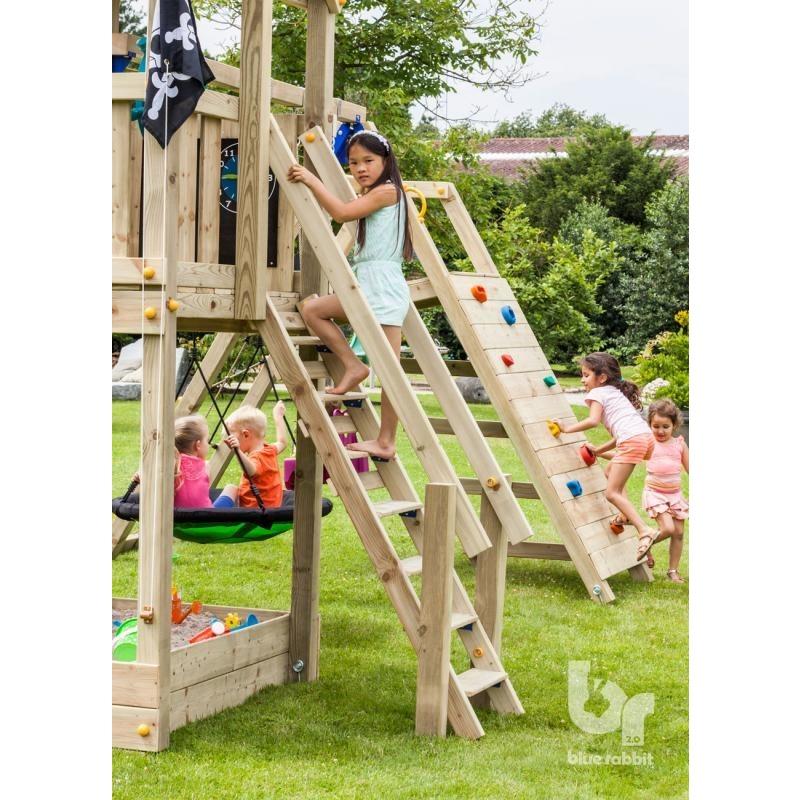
(177, 73)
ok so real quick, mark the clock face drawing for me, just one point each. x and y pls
(229, 177)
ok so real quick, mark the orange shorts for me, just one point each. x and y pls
(635, 450)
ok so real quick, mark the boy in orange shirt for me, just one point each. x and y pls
(248, 426)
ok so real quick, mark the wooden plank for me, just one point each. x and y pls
(208, 209)
(499, 334)
(467, 430)
(191, 274)
(135, 187)
(125, 721)
(540, 437)
(458, 369)
(120, 177)
(490, 580)
(488, 428)
(597, 535)
(538, 409)
(131, 86)
(549, 551)
(521, 490)
(134, 684)
(586, 508)
(187, 189)
(496, 288)
(253, 166)
(436, 190)
(126, 310)
(403, 399)
(526, 359)
(531, 384)
(280, 278)
(231, 689)
(490, 312)
(422, 294)
(306, 542)
(468, 234)
(592, 480)
(615, 558)
(557, 460)
(435, 609)
(202, 661)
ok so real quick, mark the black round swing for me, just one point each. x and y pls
(223, 525)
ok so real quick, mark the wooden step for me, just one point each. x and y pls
(326, 397)
(459, 619)
(474, 681)
(387, 508)
(300, 341)
(412, 565)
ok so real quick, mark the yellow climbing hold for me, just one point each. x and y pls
(172, 304)
(478, 652)
(310, 137)
(150, 312)
(554, 427)
(148, 273)
(143, 730)
(492, 483)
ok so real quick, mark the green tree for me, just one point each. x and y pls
(667, 357)
(132, 18)
(603, 165)
(659, 288)
(558, 120)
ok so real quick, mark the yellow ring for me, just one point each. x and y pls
(424, 209)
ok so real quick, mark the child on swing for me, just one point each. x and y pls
(614, 402)
(383, 241)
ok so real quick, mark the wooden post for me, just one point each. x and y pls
(120, 176)
(436, 609)
(318, 102)
(115, 16)
(208, 195)
(281, 278)
(304, 627)
(253, 175)
(187, 192)
(490, 581)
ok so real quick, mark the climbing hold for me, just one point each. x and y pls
(423, 210)
(549, 380)
(492, 483)
(554, 427)
(150, 312)
(441, 191)
(478, 652)
(479, 293)
(148, 273)
(143, 730)
(506, 359)
(342, 2)
(172, 304)
(587, 455)
(616, 527)
(575, 487)
(310, 137)
(508, 314)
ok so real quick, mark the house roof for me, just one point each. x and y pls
(507, 157)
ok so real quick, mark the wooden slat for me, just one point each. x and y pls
(436, 190)
(614, 558)
(281, 277)
(252, 199)
(120, 177)
(125, 721)
(557, 460)
(540, 437)
(499, 334)
(592, 480)
(458, 369)
(531, 384)
(208, 210)
(587, 508)
(549, 551)
(526, 359)
(191, 274)
(435, 609)
(200, 662)
(488, 428)
(598, 535)
(226, 691)
(388, 508)
(496, 288)
(135, 187)
(474, 681)
(490, 312)
(131, 86)
(536, 409)
(523, 491)
(187, 189)
(134, 684)
(422, 294)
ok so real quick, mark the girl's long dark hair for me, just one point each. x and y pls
(605, 364)
(391, 172)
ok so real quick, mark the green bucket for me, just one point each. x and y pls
(123, 645)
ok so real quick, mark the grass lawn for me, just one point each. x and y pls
(351, 734)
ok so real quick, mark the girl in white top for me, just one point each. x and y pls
(614, 402)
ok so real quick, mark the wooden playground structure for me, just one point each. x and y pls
(169, 201)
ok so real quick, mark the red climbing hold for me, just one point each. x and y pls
(507, 360)
(479, 293)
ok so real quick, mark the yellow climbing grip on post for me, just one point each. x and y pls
(150, 312)
(478, 652)
(172, 304)
(554, 427)
(423, 201)
(143, 730)
(148, 273)
(310, 137)
(492, 483)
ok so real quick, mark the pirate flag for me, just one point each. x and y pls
(177, 73)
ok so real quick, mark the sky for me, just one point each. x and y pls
(627, 59)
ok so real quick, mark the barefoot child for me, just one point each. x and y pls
(614, 402)
(192, 485)
(248, 426)
(662, 498)
(382, 242)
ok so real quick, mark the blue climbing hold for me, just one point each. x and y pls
(508, 314)
(575, 487)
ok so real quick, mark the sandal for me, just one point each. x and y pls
(651, 562)
(645, 543)
(673, 575)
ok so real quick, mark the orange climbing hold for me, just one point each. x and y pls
(478, 652)
(479, 293)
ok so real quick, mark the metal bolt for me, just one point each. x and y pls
(596, 589)
(299, 666)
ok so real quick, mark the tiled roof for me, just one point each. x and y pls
(507, 157)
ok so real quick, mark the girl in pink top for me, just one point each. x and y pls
(662, 497)
(614, 402)
(192, 484)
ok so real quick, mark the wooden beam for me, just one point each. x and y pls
(548, 551)
(120, 177)
(253, 170)
(436, 603)
(281, 278)
(187, 190)
(488, 428)
(135, 187)
(208, 209)
(433, 190)
(422, 293)
(522, 491)
(468, 234)
(131, 86)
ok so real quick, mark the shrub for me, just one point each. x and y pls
(667, 357)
